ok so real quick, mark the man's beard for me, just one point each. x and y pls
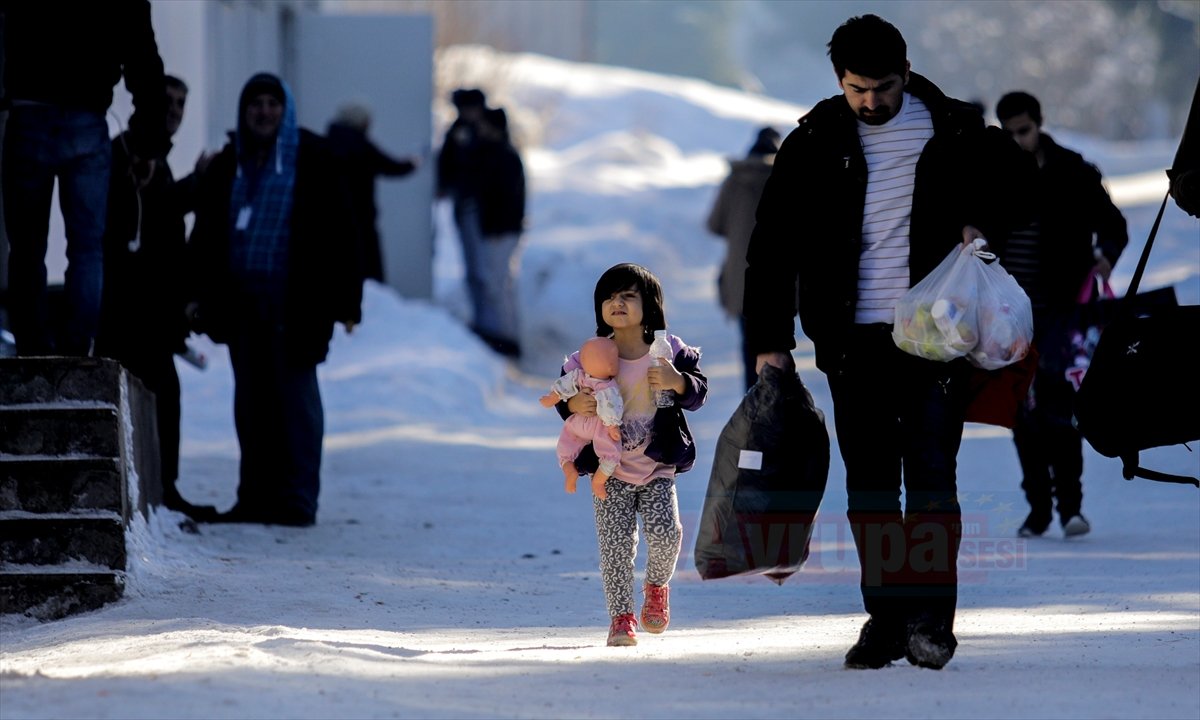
(878, 116)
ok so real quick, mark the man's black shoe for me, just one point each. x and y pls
(172, 500)
(878, 644)
(1035, 524)
(931, 644)
(241, 514)
(292, 518)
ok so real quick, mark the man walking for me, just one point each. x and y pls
(867, 195)
(1076, 237)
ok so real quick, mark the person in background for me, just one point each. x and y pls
(62, 60)
(870, 192)
(362, 163)
(732, 217)
(500, 177)
(276, 266)
(1076, 237)
(458, 180)
(1185, 171)
(142, 312)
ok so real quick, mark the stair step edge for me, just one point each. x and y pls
(77, 515)
(70, 567)
(13, 458)
(60, 405)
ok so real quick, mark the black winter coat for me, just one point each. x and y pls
(809, 221)
(455, 178)
(323, 281)
(142, 311)
(361, 163)
(1072, 205)
(501, 182)
(71, 54)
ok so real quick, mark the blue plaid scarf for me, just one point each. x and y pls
(258, 252)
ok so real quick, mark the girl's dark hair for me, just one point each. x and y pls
(625, 276)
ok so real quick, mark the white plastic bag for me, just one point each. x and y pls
(1005, 319)
(937, 318)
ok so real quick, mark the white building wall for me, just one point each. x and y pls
(216, 45)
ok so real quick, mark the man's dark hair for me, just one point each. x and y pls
(766, 142)
(1015, 103)
(174, 82)
(623, 277)
(497, 118)
(468, 97)
(869, 46)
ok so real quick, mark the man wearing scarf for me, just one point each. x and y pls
(276, 266)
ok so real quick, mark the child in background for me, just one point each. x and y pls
(656, 444)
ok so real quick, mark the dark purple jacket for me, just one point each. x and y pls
(672, 442)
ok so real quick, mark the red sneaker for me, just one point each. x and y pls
(620, 633)
(656, 612)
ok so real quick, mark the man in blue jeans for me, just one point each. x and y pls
(61, 63)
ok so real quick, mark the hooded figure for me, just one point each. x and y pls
(275, 266)
(732, 217)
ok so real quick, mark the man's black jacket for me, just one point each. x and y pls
(361, 163)
(145, 244)
(71, 54)
(501, 182)
(808, 235)
(1072, 205)
(323, 281)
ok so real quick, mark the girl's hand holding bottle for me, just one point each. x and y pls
(664, 376)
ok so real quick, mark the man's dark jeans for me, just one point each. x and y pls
(897, 416)
(279, 418)
(1048, 445)
(41, 143)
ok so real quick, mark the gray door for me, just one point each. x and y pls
(386, 63)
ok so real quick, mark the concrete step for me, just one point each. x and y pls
(65, 465)
(53, 594)
(60, 485)
(60, 430)
(39, 539)
(52, 379)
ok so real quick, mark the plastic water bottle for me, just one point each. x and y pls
(660, 350)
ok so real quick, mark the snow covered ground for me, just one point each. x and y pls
(449, 576)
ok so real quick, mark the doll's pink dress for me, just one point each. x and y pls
(579, 430)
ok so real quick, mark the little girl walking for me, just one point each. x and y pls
(655, 445)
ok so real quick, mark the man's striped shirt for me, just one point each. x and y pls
(891, 151)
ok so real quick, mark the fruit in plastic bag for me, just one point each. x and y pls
(1005, 320)
(937, 318)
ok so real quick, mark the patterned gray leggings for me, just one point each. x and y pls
(617, 533)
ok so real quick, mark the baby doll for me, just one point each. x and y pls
(598, 358)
